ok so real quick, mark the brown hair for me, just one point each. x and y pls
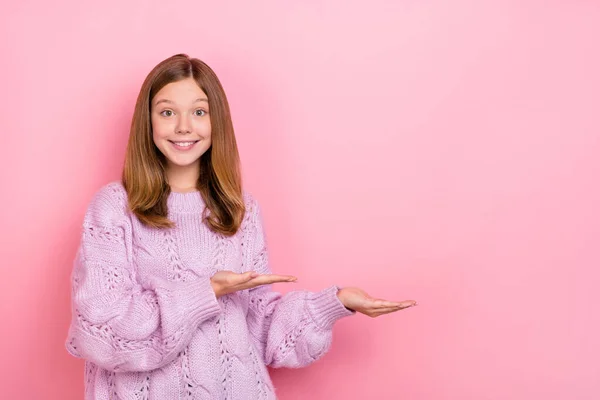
(220, 181)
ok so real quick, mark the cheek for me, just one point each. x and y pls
(156, 137)
(203, 126)
(159, 131)
(203, 129)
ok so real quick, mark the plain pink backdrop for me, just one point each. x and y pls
(446, 151)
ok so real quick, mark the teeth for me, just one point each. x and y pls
(184, 144)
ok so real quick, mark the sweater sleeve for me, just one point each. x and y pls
(118, 323)
(291, 330)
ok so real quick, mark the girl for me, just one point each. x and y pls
(171, 295)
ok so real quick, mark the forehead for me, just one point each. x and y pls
(181, 92)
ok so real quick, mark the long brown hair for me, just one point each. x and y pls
(220, 181)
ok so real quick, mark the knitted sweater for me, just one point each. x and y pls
(148, 324)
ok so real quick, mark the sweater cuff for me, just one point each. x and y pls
(193, 301)
(326, 308)
(202, 303)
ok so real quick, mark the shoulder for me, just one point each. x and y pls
(249, 199)
(108, 204)
(251, 203)
(253, 213)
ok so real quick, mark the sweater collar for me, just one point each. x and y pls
(189, 202)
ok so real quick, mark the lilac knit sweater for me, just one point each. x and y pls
(148, 324)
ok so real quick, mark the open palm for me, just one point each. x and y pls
(225, 282)
(358, 300)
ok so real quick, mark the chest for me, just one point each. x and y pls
(190, 248)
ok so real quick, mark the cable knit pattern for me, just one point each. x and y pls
(146, 320)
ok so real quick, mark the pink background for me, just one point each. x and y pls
(446, 151)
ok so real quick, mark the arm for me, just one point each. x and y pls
(118, 323)
(291, 330)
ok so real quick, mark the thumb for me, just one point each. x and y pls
(248, 275)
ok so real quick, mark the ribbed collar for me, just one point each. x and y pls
(190, 202)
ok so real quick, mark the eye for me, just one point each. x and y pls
(200, 110)
(166, 111)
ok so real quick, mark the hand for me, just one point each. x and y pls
(356, 299)
(226, 282)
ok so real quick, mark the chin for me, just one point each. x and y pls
(180, 163)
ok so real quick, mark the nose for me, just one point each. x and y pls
(183, 125)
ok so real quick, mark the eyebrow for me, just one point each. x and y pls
(169, 101)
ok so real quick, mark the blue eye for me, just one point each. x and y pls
(201, 111)
(169, 111)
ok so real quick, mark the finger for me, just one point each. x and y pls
(272, 278)
(379, 303)
(378, 312)
(246, 276)
(407, 304)
(262, 280)
(256, 283)
(387, 310)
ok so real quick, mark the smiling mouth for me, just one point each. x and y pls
(184, 143)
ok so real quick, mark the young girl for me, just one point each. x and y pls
(171, 295)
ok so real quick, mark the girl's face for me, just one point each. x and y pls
(180, 122)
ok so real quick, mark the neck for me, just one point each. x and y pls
(183, 179)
